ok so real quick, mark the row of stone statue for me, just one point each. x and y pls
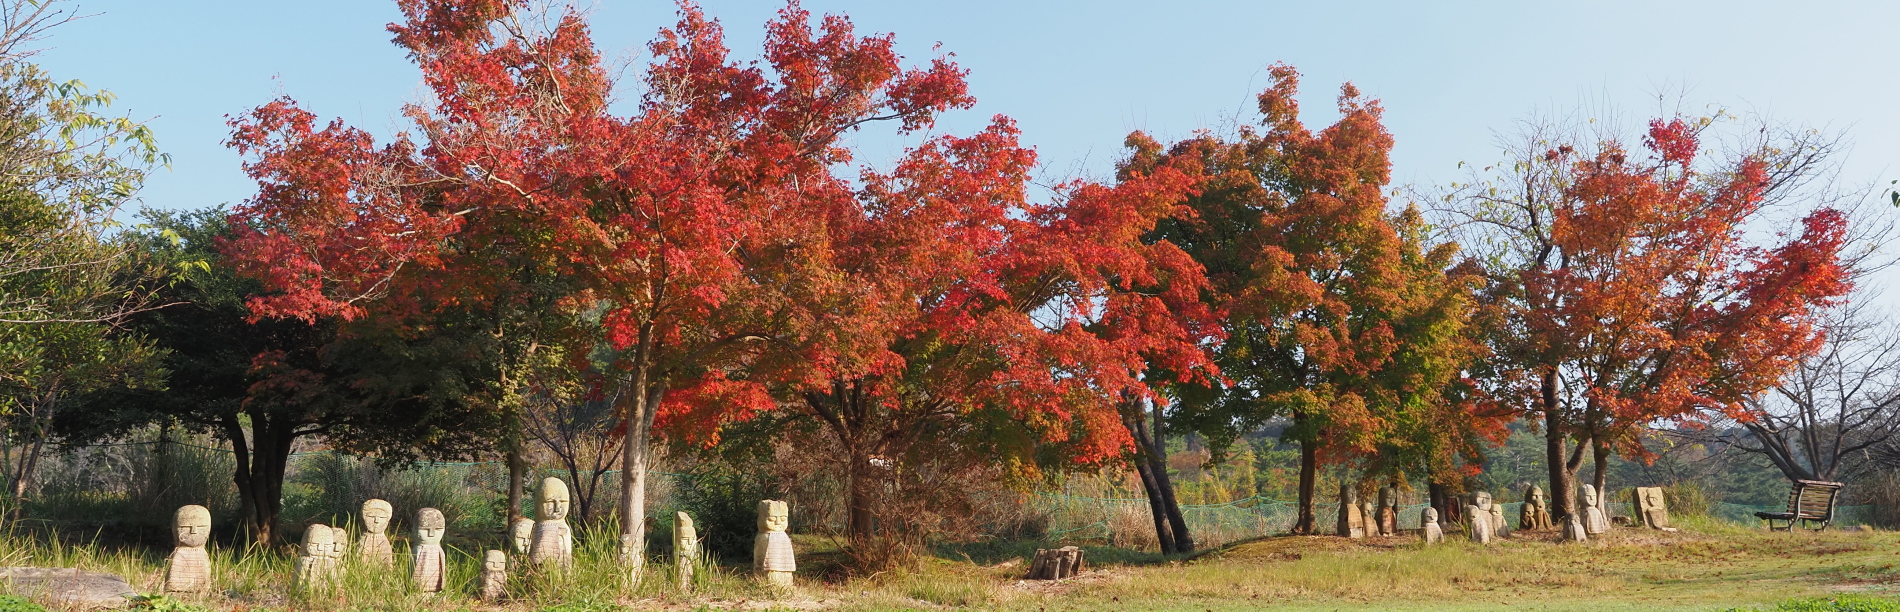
(1485, 518)
(546, 541)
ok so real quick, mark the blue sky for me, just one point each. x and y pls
(1078, 76)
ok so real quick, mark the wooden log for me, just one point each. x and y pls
(1056, 564)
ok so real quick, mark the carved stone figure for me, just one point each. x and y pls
(553, 540)
(189, 569)
(523, 534)
(1595, 521)
(1352, 518)
(1535, 516)
(772, 549)
(317, 560)
(1428, 526)
(1480, 524)
(1651, 510)
(685, 548)
(1499, 528)
(1388, 514)
(1573, 530)
(373, 546)
(430, 572)
(494, 575)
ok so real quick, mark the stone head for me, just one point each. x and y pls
(429, 526)
(1348, 494)
(1430, 516)
(318, 540)
(376, 515)
(523, 534)
(339, 540)
(191, 526)
(1536, 497)
(495, 561)
(774, 516)
(684, 535)
(1652, 496)
(1483, 500)
(551, 501)
(1589, 495)
(1388, 496)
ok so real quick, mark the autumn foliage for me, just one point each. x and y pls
(718, 239)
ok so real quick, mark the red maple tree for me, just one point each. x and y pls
(662, 220)
(1631, 293)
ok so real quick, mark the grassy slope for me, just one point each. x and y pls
(1707, 566)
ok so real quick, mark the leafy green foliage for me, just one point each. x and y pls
(16, 603)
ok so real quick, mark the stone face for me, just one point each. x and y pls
(772, 548)
(553, 540)
(373, 547)
(189, 568)
(429, 572)
(1595, 522)
(1388, 515)
(1352, 517)
(1480, 529)
(685, 548)
(1535, 516)
(316, 561)
(1428, 526)
(494, 575)
(69, 587)
(522, 532)
(1651, 510)
(1499, 528)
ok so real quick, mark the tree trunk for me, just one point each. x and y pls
(635, 461)
(1183, 541)
(1160, 514)
(1445, 502)
(517, 481)
(860, 524)
(1600, 458)
(1563, 498)
(1131, 419)
(262, 458)
(1308, 524)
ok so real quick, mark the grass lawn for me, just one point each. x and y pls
(1706, 566)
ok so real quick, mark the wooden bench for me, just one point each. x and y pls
(1811, 502)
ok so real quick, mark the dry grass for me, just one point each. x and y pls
(1707, 566)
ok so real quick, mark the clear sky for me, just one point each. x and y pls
(1078, 76)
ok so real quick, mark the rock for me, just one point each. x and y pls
(69, 587)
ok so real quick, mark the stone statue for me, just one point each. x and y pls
(553, 540)
(430, 572)
(1388, 514)
(1352, 518)
(494, 575)
(189, 569)
(373, 547)
(1479, 514)
(1428, 526)
(522, 532)
(1499, 528)
(685, 548)
(1535, 515)
(317, 561)
(1573, 530)
(1595, 522)
(1651, 510)
(772, 549)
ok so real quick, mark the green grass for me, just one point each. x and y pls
(1708, 566)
